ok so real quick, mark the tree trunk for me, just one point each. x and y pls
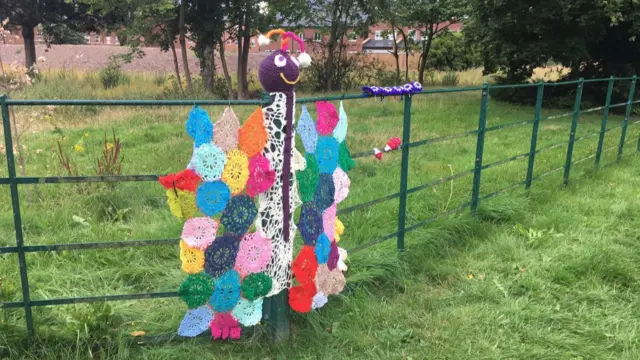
(208, 67)
(245, 56)
(406, 54)
(426, 47)
(331, 45)
(395, 50)
(225, 69)
(29, 46)
(240, 75)
(183, 48)
(176, 66)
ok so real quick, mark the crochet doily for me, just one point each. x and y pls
(325, 193)
(236, 171)
(327, 154)
(255, 286)
(239, 214)
(310, 223)
(329, 221)
(196, 289)
(301, 297)
(248, 313)
(334, 256)
(261, 176)
(339, 229)
(307, 131)
(181, 203)
(225, 326)
(199, 232)
(226, 134)
(340, 132)
(298, 163)
(327, 117)
(305, 265)
(341, 183)
(319, 300)
(252, 136)
(329, 282)
(186, 180)
(254, 254)
(209, 161)
(308, 178)
(192, 259)
(196, 321)
(226, 292)
(345, 160)
(322, 249)
(199, 126)
(212, 197)
(220, 257)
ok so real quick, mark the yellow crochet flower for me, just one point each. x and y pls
(181, 203)
(236, 171)
(339, 230)
(192, 259)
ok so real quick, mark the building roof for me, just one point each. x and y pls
(385, 44)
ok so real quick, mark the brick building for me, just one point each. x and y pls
(92, 38)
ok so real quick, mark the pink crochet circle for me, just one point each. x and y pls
(199, 232)
(341, 183)
(327, 117)
(254, 254)
(329, 221)
(261, 176)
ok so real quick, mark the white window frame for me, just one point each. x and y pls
(317, 36)
(301, 36)
(390, 36)
(378, 35)
(355, 38)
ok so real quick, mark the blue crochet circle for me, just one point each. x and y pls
(325, 192)
(226, 293)
(239, 214)
(327, 154)
(310, 223)
(199, 126)
(209, 161)
(196, 321)
(212, 197)
(220, 256)
(322, 249)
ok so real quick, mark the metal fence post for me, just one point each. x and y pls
(534, 135)
(605, 117)
(627, 113)
(572, 134)
(477, 171)
(17, 219)
(404, 172)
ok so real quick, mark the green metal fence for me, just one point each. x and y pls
(14, 181)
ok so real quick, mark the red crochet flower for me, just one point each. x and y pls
(186, 180)
(305, 265)
(301, 297)
(261, 176)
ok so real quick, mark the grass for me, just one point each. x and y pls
(548, 274)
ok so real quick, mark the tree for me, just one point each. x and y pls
(30, 13)
(207, 25)
(433, 17)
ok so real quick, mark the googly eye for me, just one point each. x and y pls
(280, 61)
(295, 61)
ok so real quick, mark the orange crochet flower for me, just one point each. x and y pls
(252, 135)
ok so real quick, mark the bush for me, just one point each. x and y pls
(450, 79)
(351, 72)
(112, 74)
(452, 51)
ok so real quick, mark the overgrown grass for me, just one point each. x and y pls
(548, 274)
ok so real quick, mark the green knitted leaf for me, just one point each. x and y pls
(255, 286)
(344, 157)
(196, 289)
(308, 178)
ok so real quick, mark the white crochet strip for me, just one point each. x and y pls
(270, 217)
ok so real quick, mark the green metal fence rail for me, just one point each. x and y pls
(14, 181)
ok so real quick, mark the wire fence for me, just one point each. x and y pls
(472, 204)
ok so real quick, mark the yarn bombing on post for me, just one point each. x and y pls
(237, 200)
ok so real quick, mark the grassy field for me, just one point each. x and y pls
(550, 274)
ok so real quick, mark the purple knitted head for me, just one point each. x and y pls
(279, 72)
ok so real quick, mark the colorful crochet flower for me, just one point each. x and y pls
(310, 223)
(226, 292)
(239, 214)
(199, 126)
(329, 221)
(327, 117)
(236, 171)
(254, 254)
(340, 132)
(192, 259)
(327, 154)
(339, 229)
(226, 134)
(322, 249)
(307, 131)
(255, 286)
(209, 161)
(196, 289)
(186, 180)
(328, 281)
(248, 313)
(261, 176)
(334, 256)
(252, 136)
(199, 232)
(305, 265)
(301, 297)
(181, 203)
(308, 178)
(319, 300)
(345, 160)
(325, 193)
(212, 197)
(224, 326)
(221, 255)
(341, 183)
(196, 321)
